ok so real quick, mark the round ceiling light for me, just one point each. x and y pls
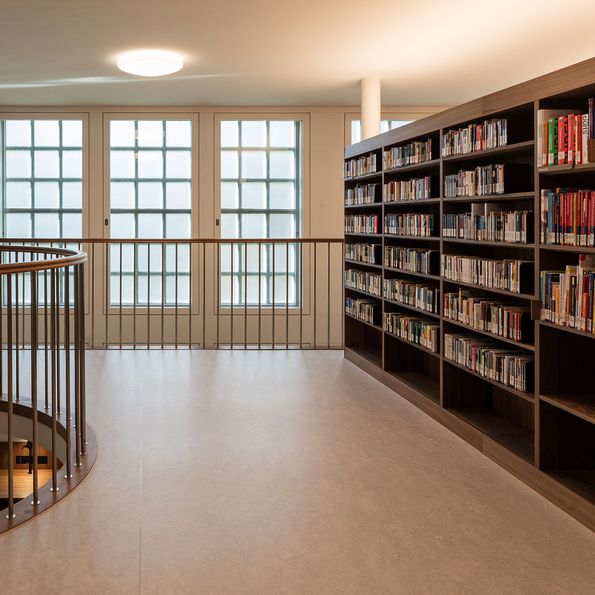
(150, 62)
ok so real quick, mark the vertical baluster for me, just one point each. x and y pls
(107, 291)
(34, 421)
(9, 412)
(342, 246)
(176, 298)
(286, 295)
(82, 387)
(120, 295)
(273, 299)
(92, 273)
(58, 368)
(259, 293)
(232, 249)
(218, 280)
(46, 342)
(54, 487)
(134, 290)
(148, 295)
(299, 284)
(162, 293)
(190, 246)
(204, 294)
(17, 335)
(67, 371)
(77, 368)
(246, 295)
(328, 295)
(315, 275)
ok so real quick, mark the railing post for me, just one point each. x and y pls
(10, 515)
(34, 421)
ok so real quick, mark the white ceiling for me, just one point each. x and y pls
(281, 52)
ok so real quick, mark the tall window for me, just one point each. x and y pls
(42, 189)
(150, 197)
(261, 163)
(385, 126)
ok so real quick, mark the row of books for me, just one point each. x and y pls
(361, 166)
(487, 222)
(490, 134)
(415, 152)
(483, 180)
(568, 217)
(361, 252)
(489, 272)
(400, 190)
(361, 223)
(411, 260)
(362, 309)
(488, 359)
(413, 293)
(416, 330)
(409, 224)
(485, 314)
(360, 195)
(567, 297)
(563, 135)
(363, 281)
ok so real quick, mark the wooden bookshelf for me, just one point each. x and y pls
(545, 435)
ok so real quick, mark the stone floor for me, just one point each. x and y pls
(284, 472)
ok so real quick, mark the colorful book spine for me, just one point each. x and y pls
(410, 154)
(365, 310)
(409, 224)
(413, 293)
(413, 329)
(481, 181)
(407, 190)
(568, 217)
(365, 253)
(363, 281)
(361, 195)
(363, 224)
(411, 260)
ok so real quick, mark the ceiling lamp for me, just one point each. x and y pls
(150, 62)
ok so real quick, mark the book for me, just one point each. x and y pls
(488, 134)
(412, 260)
(409, 224)
(409, 154)
(363, 224)
(413, 293)
(363, 281)
(413, 329)
(568, 217)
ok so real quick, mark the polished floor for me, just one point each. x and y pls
(282, 473)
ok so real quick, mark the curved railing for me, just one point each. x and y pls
(42, 379)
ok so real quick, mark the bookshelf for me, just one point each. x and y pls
(530, 405)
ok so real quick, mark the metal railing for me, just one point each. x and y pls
(210, 293)
(42, 370)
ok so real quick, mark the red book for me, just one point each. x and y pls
(562, 139)
(578, 150)
(592, 217)
(571, 138)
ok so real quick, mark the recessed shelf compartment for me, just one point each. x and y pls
(364, 339)
(496, 153)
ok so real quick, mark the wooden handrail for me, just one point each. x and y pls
(65, 258)
(176, 240)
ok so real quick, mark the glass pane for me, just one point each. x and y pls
(183, 283)
(122, 164)
(122, 225)
(127, 257)
(18, 133)
(18, 195)
(254, 164)
(229, 226)
(72, 133)
(356, 131)
(122, 195)
(282, 195)
(18, 164)
(283, 260)
(254, 133)
(229, 133)
(253, 292)
(229, 164)
(254, 195)
(72, 164)
(178, 133)
(122, 133)
(18, 225)
(47, 195)
(281, 283)
(72, 195)
(177, 226)
(150, 164)
(46, 133)
(47, 164)
(282, 164)
(150, 195)
(156, 297)
(72, 225)
(178, 164)
(229, 195)
(150, 133)
(282, 134)
(254, 225)
(183, 258)
(47, 225)
(281, 226)
(150, 225)
(253, 258)
(179, 195)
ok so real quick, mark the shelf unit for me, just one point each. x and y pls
(546, 435)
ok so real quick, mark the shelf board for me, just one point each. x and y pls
(374, 326)
(566, 329)
(486, 243)
(423, 383)
(401, 203)
(372, 205)
(513, 148)
(364, 177)
(413, 167)
(373, 357)
(513, 391)
(524, 296)
(497, 427)
(363, 264)
(519, 344)
(582, 406)
(414, 308)
(416, 345)
(371, 295)
(565, 168)
(363, 234)
(580, 481)
(416, 238)
(560, 248)
(492, 197)
(420, 275)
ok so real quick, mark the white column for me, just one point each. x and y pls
(370, 110)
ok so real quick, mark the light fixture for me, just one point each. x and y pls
(150, 62)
